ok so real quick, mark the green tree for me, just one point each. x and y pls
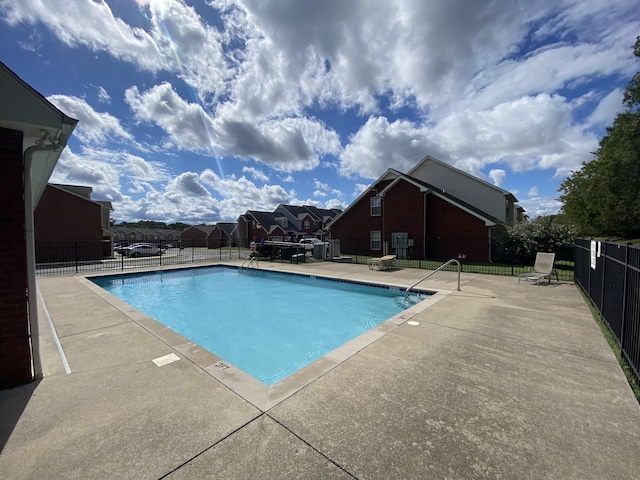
(153, 224)
(602, 197)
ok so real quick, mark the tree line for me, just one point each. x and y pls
(154, 225)
(603, 197)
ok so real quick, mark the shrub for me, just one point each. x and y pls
(520, 243)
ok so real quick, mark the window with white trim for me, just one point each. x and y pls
(376, 240)
(375, 206)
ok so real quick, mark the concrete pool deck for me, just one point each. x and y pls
(499, 380)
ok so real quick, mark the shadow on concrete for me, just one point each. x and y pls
(13, 402)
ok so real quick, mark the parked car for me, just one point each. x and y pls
(310, 242)
(120, 247)
(142, 250)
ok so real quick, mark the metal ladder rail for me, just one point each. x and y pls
(249, 259)
(406, 292)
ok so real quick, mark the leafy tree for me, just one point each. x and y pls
(602, 197)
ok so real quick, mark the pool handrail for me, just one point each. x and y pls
(249, 259)
(406, 292)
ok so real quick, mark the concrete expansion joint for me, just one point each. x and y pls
(312, 447)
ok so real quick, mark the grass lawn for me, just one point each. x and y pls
(563, 267)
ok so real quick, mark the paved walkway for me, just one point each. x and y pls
(499, 380)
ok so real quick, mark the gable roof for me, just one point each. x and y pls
(429, 158)
(81, 192)
(205, 228)
(298, 211)
(489, 220)
(226, 227)
(322, 213)
(365, 192)
(394, 176)
(266, 219)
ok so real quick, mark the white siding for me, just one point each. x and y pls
(467, 188)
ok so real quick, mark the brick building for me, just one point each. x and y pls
(71, 226)
(435, 211)
(196, 236)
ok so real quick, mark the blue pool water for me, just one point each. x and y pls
(267, 324)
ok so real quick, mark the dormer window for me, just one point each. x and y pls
(283, 222)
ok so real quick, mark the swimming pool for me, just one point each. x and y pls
(267, 324)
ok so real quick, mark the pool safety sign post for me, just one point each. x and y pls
(595, 252)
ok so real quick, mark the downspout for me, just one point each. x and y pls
(424, 226)
(384, 243)
(34, 332)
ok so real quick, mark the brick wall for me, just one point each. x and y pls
(193, 237)
(61, 216)
(68, 228)
(15, 351)
(452, 231)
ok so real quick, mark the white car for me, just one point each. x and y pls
(143, 250)
(309, 243)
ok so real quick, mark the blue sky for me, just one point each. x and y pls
(196, 111)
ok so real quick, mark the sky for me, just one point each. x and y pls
(196, 111)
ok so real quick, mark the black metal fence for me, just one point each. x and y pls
(493, 256)
(609, 274)
(68, 258)
(64, 258)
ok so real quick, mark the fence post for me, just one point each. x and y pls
(624, 297)
(356, 250)
(75, 253)
(603, 254)
(589, 277)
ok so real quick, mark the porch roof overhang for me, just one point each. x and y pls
(24, 109)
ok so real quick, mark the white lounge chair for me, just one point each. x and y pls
(543, 268)
(382, 263)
